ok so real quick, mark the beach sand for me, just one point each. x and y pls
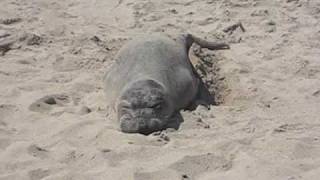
(54, 123)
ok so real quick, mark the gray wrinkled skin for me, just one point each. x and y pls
(150, 82)
(144, 108)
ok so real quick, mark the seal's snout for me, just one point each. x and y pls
(140, 125)
(130, 125)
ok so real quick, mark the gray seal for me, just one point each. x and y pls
(152, 79)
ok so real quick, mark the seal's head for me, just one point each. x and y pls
(144, 108)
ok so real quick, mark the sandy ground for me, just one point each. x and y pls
(53, 119)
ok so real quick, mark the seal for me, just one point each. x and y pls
(152, 79)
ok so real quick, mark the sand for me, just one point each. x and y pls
(54, 123)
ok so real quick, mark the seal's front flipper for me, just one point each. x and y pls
(175, 120)
(204, 97)
(192, 106)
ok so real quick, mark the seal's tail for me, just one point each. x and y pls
(190, 39)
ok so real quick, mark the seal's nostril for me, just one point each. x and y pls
(142, 123)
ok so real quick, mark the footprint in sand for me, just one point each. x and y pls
(72, 63)
(10, 21)
(4, 143)
(17, 40)
(159, 175)
(6, 110)
(37, 151)
(65, 64)
(191, 166)
(306, 149)
(142, 13)
(47, 103)
(295, 128)
(188, 168)
(38, 174)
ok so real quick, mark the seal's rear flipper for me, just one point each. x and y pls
(203, 97)
(189, 39)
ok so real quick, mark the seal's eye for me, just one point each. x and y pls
(125, 105)
(156, 106)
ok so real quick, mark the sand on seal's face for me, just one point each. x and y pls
(54, 123)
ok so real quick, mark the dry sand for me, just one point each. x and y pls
(53, 119)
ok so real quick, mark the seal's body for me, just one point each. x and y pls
(152, 80)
